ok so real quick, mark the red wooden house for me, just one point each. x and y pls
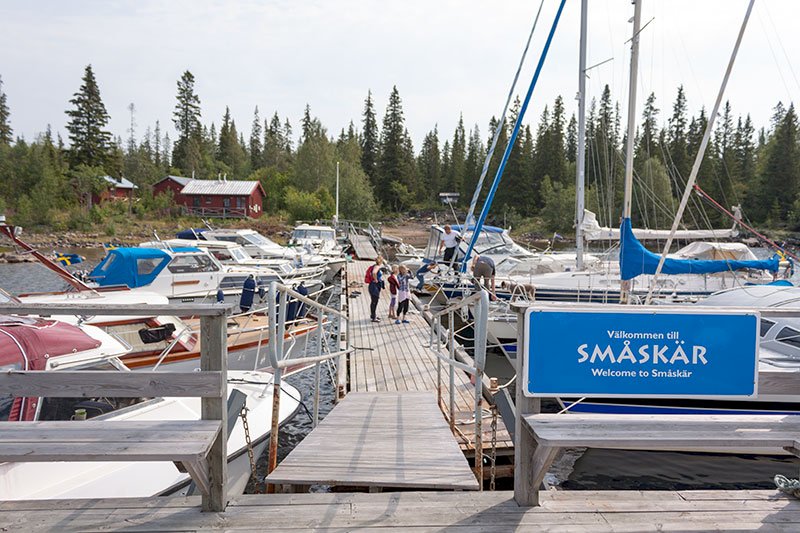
(171, 183)
(222, 198)
(117, 189)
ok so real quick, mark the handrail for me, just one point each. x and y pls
(278, 299)
(480, 302)
(459, 305)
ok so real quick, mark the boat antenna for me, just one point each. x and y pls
(687, 192)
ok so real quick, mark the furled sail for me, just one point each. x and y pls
(593, 231)
(635, 260)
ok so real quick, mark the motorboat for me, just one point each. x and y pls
(183, 275)
(229, 254)
(50, 345)
(320, 240)
(257, 246)
(510, 258)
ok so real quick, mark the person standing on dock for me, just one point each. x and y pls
(393, 285)
(450, 240)
(403, 294)
(375, 279)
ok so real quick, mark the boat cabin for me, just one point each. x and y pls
(492, 240)
(320, 239)
(186, 274)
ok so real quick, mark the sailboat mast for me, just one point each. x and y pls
(631, 132)
(625, 285)
(580, 173)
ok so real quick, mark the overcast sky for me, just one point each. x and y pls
(446, 57)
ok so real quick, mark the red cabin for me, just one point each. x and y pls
(118, 189)
(171, 183)
(222, 198)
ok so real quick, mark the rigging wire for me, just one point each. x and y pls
(500, 125)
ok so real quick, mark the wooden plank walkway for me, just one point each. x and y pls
(562, 511)
(363, 247)
(380, 439)
(396, 357)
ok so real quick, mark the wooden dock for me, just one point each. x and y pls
(363, 247)
(393, 357)
(380, 439)
(570, 511)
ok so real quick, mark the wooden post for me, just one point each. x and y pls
(525, 493)
(214, 356)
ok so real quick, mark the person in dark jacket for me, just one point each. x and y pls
(375, 286)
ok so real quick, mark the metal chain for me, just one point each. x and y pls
(249, 442)
(493, 451)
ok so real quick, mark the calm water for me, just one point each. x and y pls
(594, 469)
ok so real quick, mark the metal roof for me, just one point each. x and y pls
(217, 187)
(179, 179)
(120, 183)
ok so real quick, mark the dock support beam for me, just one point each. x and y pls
(214, 357)
(526, 490)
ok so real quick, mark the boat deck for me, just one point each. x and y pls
(393, 357)
(380, 439)
(575, 511)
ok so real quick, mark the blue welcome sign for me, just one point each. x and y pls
(644, 353)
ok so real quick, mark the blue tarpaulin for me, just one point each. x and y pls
(134, 267)
(635, 259)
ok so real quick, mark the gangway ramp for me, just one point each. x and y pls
(380, 440)
(362, 245)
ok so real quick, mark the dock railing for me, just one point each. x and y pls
(210, 384)
(442, 337)
(278, 299)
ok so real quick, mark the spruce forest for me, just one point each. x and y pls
(48, 182)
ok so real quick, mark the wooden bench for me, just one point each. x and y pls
(748, 433)
(198, 446)
(187, 443)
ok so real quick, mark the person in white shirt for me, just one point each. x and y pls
(450, 240)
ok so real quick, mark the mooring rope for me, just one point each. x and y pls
(787, 485)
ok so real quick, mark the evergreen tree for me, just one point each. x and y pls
(306, 123)
(90, 142)
(429, 167)
(256, 155)
(571, 146)
(647, 143)
(187, 154)
(393, 165)
(454, 179)
(5, 126)
(230, 150)
(779, 176)
(369, 140)
(473, 164)
(677, 164)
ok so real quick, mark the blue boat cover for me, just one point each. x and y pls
(134, 267)
(635, 260)
(190, 234)
(488, 229)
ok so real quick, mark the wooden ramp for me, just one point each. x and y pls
(363, 247)
(396, 357)
(398, 440)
